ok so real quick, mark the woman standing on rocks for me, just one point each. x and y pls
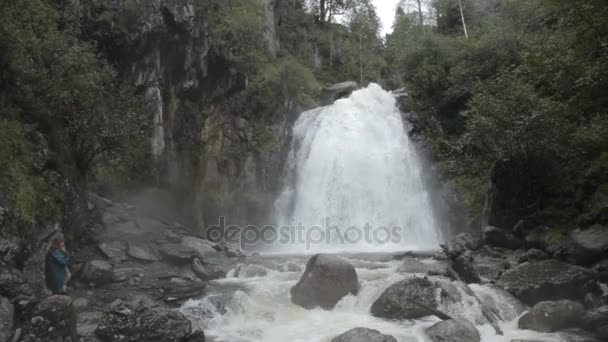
(57, 266)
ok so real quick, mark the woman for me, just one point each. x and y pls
(57, 266)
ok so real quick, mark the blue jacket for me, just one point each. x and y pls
(56, 263)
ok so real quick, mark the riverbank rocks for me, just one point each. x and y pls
(53, 318)
(125, 322)
(363, 335)
(430, 267)
(203, 247)
(97, 272)
(500, 238)
(453, 330)
(407, 299)
(177, 253)
(484, 265)
(550, 316)
(460, 244)
(7, 316)
(249, 271)
(593, 240)
(206, 272)
(141, 253)
(533, 282)
(114, 250)
(326, 280)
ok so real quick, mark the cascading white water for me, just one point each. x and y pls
(351, 164)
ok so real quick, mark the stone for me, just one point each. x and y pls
(326, 280)
(533, 254)
(206, 272)
(551, 316)
(177, 292)
(533, 282)
(172, 237)
(203, 247)
(338, 91)
(484, 265)
(407, 299)
(537, 238)
(142, 324)
(595, 319)
(7, 319)
(197, 336)
(177, 253)
(500, 238)
(453, 330)
(459, 244)
(141, 253)
(97, 272)
(363, 335)
(14, 285)
(593, 240)
(250, 271)
(114, 250)
(57, 318)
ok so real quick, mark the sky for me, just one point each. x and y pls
(386, 11)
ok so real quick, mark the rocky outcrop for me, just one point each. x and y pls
(7, 317)
(325, 281)
(408, 299)
(97, 272)
(533, 282)
(363, 335)
(484, 265)
(453, 330)
(114, 250)
(460, 244)
(203, 247)
(129, 323)
(550, 316)
(141, 253)
(54, 318)
(500, 238)
(177, 253)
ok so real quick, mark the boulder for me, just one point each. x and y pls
(593, 240)
(326, 280)
(197, 336)
(408, 299)
(533, 254)
(141, 253)
(595, 320)
(206, 272)
(203, 247)
(550, 316)
(432, 267)
(459, 244)
(126, 322)
(500, 238)
(453, 330)
(7, 317)
(533, 282)
(115, 250)
(97, 272)
(55, 317)
(484, 265)
(177, 253)
(181, 290)
(250, 271)
(14, 286)
(363, 335)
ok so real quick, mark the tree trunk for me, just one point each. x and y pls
(420, 12)
(464, 24)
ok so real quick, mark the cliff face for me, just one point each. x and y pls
(206, 147)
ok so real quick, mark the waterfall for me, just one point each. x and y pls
(153, 94)
(353, 180)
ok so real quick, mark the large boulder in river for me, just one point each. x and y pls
(126, 322)
(500, 238)
(177, 253)
(453, 330)
(326, 280)
(407, 299)
(484, 265)
(97, 272)
(7, 316)
(593, 240)
(533, 282)
(550, 316)
(460, 244)
(363, 335)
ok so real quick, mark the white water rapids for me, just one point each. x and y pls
(351, 163)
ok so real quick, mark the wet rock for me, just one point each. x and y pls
(407, 299)
(533, 282)
(177, 253)
(203, 247)
(413, 265)
(500, 238)
(459, 244)
(115, 250)
(570, 251)
(550, 316)
(178, 292)
(97, 272)
(7, 316)
(533, 254)
(129, 323)
(55, 317)
(593, 240)
(453, 330)
(485, 265)
(538, 238)
(363, 335)
(172, 237)
(9, 247)
(326, 280)
(249, 271)
(14, 286)
(595, 320)
(337, 91)
(206, 272)
(197, 336)
(141, 253)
